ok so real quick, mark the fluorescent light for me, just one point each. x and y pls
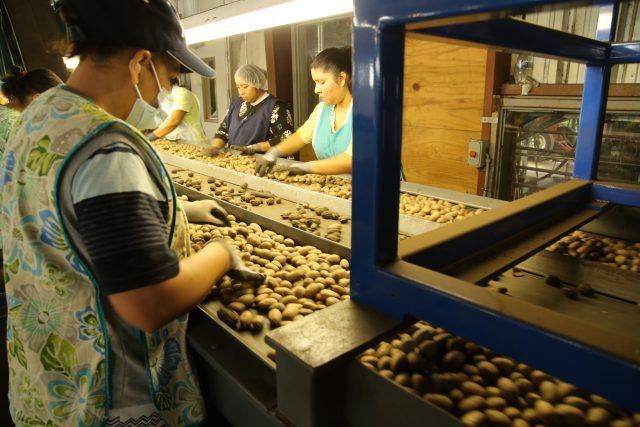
(71, 63)
(290, 12)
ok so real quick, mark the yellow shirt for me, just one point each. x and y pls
(191, 128)
(307, 130)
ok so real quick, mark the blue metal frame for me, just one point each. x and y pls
(377, 280)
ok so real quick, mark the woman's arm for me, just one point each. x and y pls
(169, 125)
(333, 166)
(289, 146)
(151, 307)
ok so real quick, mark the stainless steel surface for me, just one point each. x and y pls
(408, 225)
(385, 403)
(565, 103)
(604, 279)
(312, 355)
(496, 260)
(603, 312)
(273, 212)
(621, 222)
(234, 384)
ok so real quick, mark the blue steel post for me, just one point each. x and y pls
(376, 168)
(594, 101)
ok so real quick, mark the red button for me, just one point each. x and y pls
(473, 154)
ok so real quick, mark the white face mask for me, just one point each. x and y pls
(145, 116)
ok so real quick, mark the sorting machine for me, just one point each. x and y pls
(445, 275)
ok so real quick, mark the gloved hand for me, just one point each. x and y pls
(239, 270)
(211, 151)
(295, 168)
(259, 147)
(207, 211)
(151, 136)
(265, 162)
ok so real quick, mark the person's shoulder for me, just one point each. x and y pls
(179, 90)
(182, 93)
(281, 103)
(319, 106)
(237, 102)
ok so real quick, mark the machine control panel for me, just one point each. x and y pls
(476, 153)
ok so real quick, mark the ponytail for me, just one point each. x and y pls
(20, 85)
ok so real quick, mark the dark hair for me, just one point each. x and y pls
(336, 60)
(20, 85)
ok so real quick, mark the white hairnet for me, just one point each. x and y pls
(252, 75)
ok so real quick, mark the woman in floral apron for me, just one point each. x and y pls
(99, 277)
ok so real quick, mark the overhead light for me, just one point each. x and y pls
(71, 63)
(291, 12)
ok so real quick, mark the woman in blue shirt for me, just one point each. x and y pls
(328, 128)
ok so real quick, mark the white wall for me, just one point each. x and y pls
(583, 21)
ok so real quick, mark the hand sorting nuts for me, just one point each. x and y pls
(431, 209)
(300, 279)
(616, 253)
(331, 185)
(483, 388)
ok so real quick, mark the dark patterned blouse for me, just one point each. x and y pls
(280, 126)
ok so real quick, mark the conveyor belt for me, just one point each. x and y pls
(273, 212)
(622, 318)
(602, 278)
(620, 222)
(254, 343)
(409, 225)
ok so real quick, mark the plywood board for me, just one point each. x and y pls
(444, 89)
(443, 85)
(438, 157)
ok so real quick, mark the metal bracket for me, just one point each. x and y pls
(489, 120)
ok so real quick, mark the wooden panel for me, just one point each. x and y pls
(438, 157)
(444, 84)
(444, 94)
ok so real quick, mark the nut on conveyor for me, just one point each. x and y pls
(586, 290)
(553, 280)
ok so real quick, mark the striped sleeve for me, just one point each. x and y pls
(122, 217)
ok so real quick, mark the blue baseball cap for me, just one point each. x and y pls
(147, 24)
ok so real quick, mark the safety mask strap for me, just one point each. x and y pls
(138, 92)
(155, 74)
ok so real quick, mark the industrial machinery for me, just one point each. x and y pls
(434, 276)
(536, 144)
(484, 283)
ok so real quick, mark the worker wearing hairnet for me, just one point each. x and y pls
(256, 120)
